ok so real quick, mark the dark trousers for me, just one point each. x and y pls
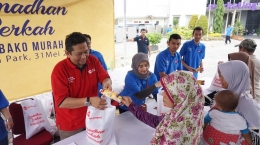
(227, 39)
(4, 141)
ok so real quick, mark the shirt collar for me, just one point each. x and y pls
(169, 53)
(71, 65)
(193, 42)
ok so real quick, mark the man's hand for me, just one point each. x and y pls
(9, 124)
(191, 69)
(126, 100)
(201, 69)
(107, 84)
(98, 103)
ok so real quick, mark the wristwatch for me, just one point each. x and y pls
(88, 102)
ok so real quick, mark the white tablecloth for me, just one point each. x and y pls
(128, 131)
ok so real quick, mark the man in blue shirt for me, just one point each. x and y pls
(192, 53)
(169, 60)
(99, 56)
(169, 29)
(228, 34)
(143, 44)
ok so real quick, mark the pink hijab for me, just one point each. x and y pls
(183, 123)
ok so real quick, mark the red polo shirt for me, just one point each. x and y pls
(68, 81)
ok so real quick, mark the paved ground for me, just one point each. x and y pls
(215, 51)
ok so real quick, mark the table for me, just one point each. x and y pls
(127, 129)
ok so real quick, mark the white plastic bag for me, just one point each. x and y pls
(215, 84)
(99, 125)
(161, 109)
(35, 119)
(48, 107)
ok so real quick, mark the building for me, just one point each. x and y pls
(159, 12)
(142, 11)
(245, 11)
(183, 10)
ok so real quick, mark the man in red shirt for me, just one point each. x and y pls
(74, 83)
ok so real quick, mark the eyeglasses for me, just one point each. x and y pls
(88, 43)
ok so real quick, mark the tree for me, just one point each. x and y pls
(203, 23)
(218, 17)
(193, 21)
(175, 22)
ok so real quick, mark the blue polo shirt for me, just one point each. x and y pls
(142, 44)
(100, 57)
(192, 54)
(229, 30)
(133, 85)
(167, 63)
(3, 104)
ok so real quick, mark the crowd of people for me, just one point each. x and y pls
(234, 116)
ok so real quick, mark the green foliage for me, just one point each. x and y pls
(175, 22)
(218, 17)
(154, 38)
(203, 23)
(215, 35)
(193, 21)
(258, 31)
(238, 28)
(185, 33)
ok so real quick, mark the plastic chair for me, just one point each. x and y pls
(41, 138)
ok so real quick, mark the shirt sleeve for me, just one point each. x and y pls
(203, 54)
(245, 131)
(160, 63)
(145, 92)
(207, 118)
(180, 67)
(60, 85)
(145, 117)
(183, 50)
(136, 38)
(3, 101)
(131, 84)
(148, 42)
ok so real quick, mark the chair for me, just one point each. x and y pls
(41, 138)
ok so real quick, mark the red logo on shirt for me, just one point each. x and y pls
(91, 71)
(71, 79)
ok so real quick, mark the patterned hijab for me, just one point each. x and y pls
(136, 60)
(183, 123)
(251, 66)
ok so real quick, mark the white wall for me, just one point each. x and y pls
(141, 8)
(131, 20)
(186, 8)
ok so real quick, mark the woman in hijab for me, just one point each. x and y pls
(139, 82)
(182, 124)
(234, 76)
(251, 66)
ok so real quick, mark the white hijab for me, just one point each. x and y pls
(236, 74)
